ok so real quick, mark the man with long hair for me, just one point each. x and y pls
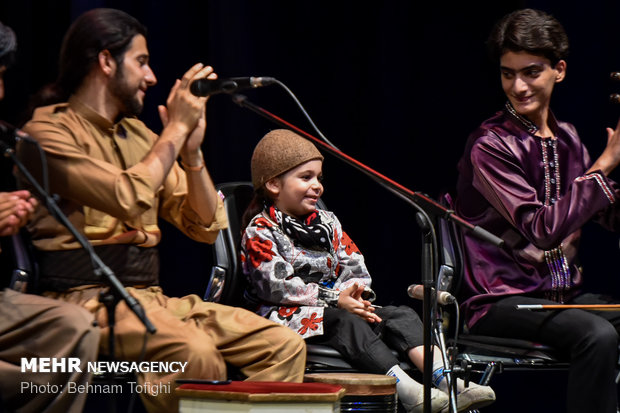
(115, 178)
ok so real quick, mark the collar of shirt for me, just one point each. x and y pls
(96, 119)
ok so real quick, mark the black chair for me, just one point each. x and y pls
(485, 355)
(227, 281)
(17, 261)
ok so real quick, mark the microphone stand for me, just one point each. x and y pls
(117, 291)
(448, 370)
(429, 301)
(425, 207)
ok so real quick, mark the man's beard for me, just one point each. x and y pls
(130, 105)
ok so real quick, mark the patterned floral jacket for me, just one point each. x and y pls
(290, 284)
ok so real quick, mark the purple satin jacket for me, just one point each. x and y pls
(534, 193)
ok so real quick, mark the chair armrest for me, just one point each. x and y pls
(215, 286)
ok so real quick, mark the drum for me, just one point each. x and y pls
(199, 396)
(374, 393)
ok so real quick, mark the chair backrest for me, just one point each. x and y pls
(18, 260)
(227, 282)
(451, 258)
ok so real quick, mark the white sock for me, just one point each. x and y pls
(438, 378)
(409, 390)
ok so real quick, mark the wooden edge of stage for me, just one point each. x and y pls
(265, 392)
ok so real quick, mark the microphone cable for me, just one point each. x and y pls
(305, 113)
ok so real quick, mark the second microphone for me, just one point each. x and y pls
(417, 291)
(208, 87)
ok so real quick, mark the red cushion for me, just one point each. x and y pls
(264, 387)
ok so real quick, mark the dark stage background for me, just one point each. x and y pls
(398, 85)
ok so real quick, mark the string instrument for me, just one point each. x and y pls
(593, 307)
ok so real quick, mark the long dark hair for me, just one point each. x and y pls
(257, 204)
(94, 31)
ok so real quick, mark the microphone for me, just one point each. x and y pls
(208, 87)
(417, 291)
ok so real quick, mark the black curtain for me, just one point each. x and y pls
(398, 85)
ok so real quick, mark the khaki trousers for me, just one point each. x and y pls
(206, 335)
(33, 326)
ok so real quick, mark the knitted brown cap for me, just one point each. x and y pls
(280, 151)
